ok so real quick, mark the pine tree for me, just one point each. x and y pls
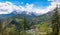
(55, 22)
(1, 27)
(25, 22)
(24, 25)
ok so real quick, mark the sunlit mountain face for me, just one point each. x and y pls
(31, 7)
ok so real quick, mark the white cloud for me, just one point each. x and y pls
(38, 11)
(8, 7)
(29, 7)
(5, 8)
(49, 8)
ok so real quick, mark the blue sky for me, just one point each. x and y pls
(30, 6)
(37, 3)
